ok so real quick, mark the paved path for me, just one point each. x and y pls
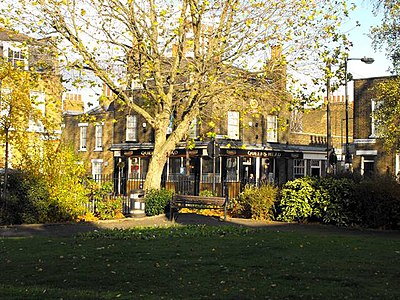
(68, 229)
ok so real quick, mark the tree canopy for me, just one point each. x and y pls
(183, 54)
(387, 35)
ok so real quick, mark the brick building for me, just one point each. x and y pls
(309, 127)
(36, 58)
(370, 157)
(116, 142)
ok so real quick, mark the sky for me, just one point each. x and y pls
(362, 43)
(361, 47)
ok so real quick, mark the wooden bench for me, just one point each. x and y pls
(197, 202)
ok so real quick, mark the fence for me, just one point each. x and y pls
(127, 204)
(179, 184)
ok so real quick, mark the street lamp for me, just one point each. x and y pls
(366, 60)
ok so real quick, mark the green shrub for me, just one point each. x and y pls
(27, 200)
(255, 202)
(328, 200)
(378, 203)
(301, 200)
(98, 191)
(206, 193)
(59, 169)
(342, 209)
(157, 201)
(109, 208)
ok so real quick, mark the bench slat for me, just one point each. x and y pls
(190, 201)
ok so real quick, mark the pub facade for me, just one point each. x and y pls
(250, 146)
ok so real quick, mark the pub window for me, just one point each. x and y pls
(175, 165)
(299, 168)
(207, 169)
(231, 169)
(144, 166)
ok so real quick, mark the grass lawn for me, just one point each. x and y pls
(196, 262)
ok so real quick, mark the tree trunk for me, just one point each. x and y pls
(156, 167)
(162, 149)
(5, 168)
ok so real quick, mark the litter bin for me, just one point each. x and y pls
(137, 203)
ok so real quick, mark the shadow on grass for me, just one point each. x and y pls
(183, 219)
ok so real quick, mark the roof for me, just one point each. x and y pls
(96, 110)
(9, 35)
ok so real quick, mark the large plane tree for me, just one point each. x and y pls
(182, 54)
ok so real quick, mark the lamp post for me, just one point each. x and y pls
(366, 60)
(328, 118)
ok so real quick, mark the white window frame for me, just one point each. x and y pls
(363, 161)
(374, 106)
(272, 128)
(299, 168)
(233, 125)
(98, 137)
(397, 166)
(193, 129)
(315, 164)
(16, 47)
(97, 169)
(83, 134)
(131, 128)
(38, 103)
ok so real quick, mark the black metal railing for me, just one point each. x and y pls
(179, 184)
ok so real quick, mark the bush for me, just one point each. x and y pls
(342, 201)
(255, 202)
(301, 199)
(378, 203)
(157, 201)
(342, 209)
(26, 201)
(59, 169)
(109, 208)
(206, 193)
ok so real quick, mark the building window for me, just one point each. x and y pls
(131, 128)
(207, 170)
(99, 137)
(232, 169)
(315, 166)
(38, 107)
(397, 167)
(16, 58)
(233, 125)
(97, 169)
(272, 128)
(375, 104)
(367, 166)
(83, 136)
(193, 129)
(299, 168)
